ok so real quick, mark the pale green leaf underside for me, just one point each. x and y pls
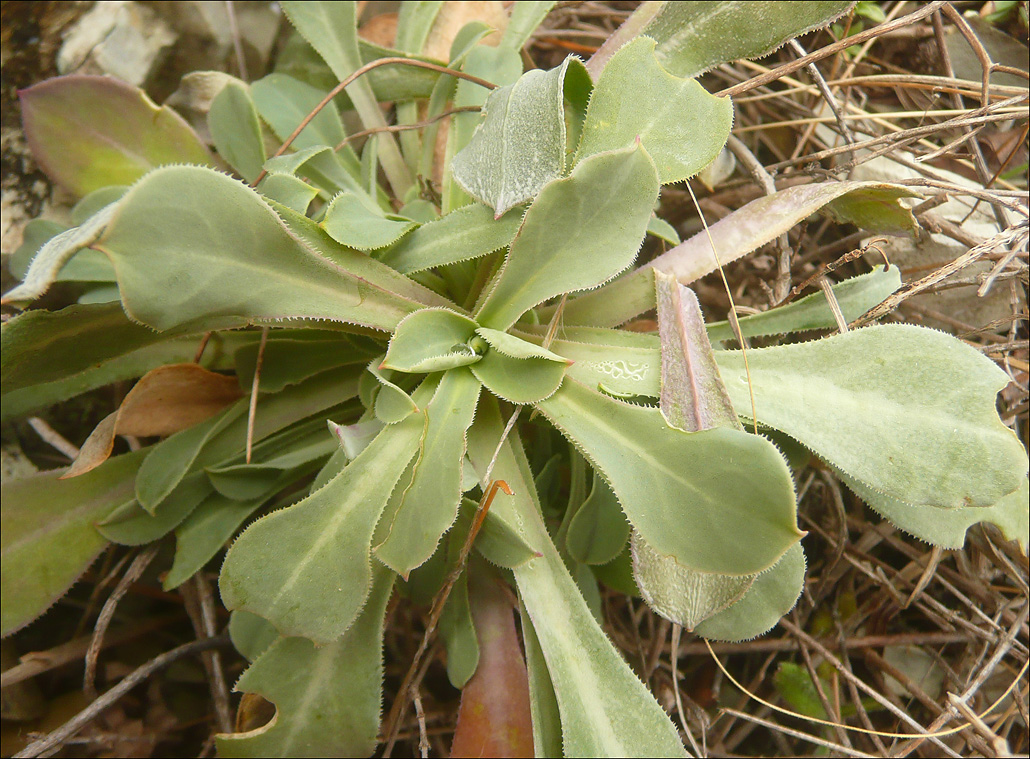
(772, 595)
(718, 500)
(520, 144)
(681, 126)
(694, 37)
(327, 538)
(356, 222)
(605, 710)
(327, 698)
(519, 380)
(678, 593)
(514, 347)
(580, 232)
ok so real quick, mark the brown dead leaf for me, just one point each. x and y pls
(164, 401)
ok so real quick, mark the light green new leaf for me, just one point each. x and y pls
(519, 380)
(525, 17)
(694, 37)
(250, 634)
(431, 340)
(772, 595)
(236, 131)
(327, 698)
(515, 347)
(497, 541)
(883, 404)
(429, 505)
(605, 710)
(48, 539)
(719, 500)
(681, 126)
(354, 220)
(598, 531)
(580, 232)
(306, 568)
(547, 734)
(392, 404)
(747, 229)
(947, 527)
(520, 144)
(855, 296)
(466, 233)
(223, 232)
(289, 190)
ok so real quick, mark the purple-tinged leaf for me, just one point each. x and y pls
(88, 132)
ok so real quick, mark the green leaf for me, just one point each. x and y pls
(947, 527)
(580, 232)
(392, 404)
(87, 132)
(292, 356)
(681, 126)
(718, 500)
(204, 533)
(681, 594)
(519, 380)
(855, 296)
(515, 347)
(357, 222)
(794, 683)
(170, 279)
(520, 144)
(525, 17)
(335, 713)
(467, 233)
(289, 190)
(306, 568)
(747, 229)
(48, 356)
(772, 595)
(907, 411)
(459, 634)
(605, 710)
(431, 340)
(497, 541)
(48, 539)
(284, 102)
(331, 28)
(250, 634)
(547, 732)
(598, 531)
(429, 505)
(414, 20)
(236, 131)
(663, 230)
(694, 37)
(132, 525)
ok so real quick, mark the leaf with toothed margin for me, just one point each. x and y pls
(431, 340)
(519, 380)
(681, 126)
(773, 594)
(465, 233)
(855, 296)
(306, 568)
(169, 279)
(605, 710)
(694, 37)
(598, 531)
(947, 527)
(907, 411)
(718, 500)
(496, 541)
(48, 539)
(429, 505)
(88, 132)
(335, 713)
(392, 404)
(693, 398)
(354, 220)
(580, 232)
(519, 146)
